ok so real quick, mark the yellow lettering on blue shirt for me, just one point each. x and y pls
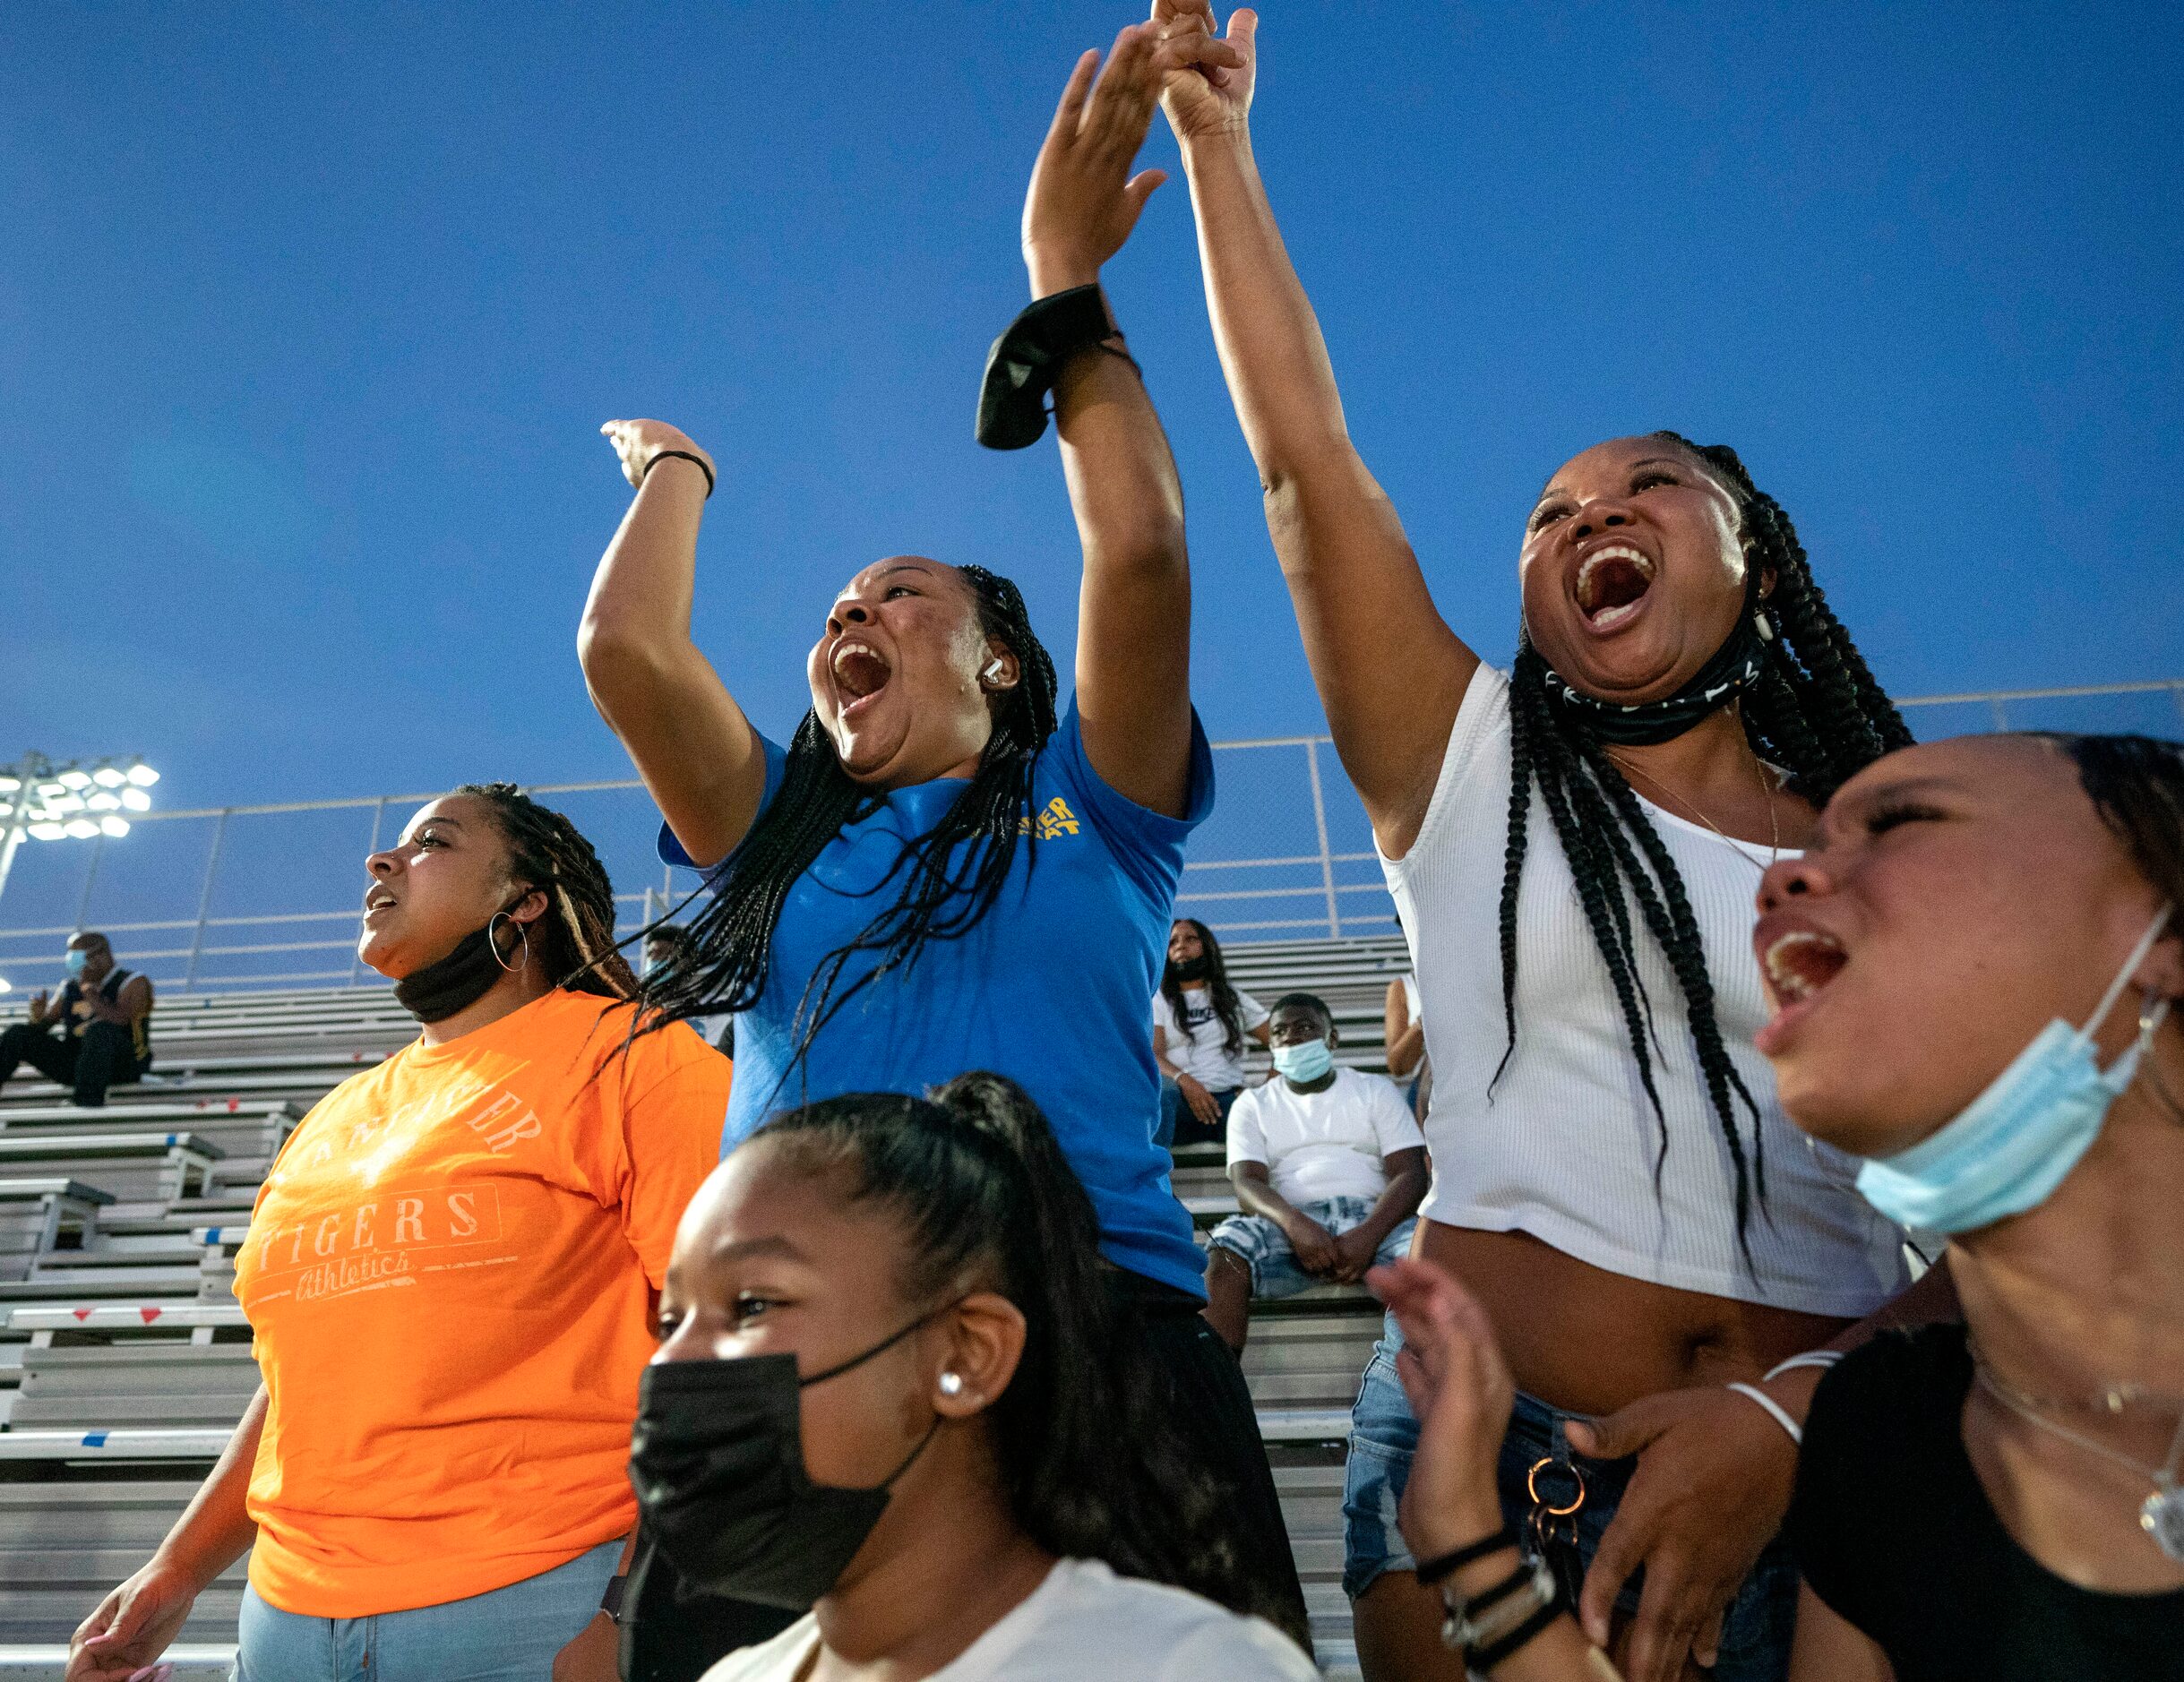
(1057, 819)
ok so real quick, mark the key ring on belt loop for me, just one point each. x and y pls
(1539, 1501)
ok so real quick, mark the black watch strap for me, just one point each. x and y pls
(610, 1602)
(1021, 366)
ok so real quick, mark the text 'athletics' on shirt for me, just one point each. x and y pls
(1049, 988)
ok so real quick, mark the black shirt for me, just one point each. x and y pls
(1892, 1529)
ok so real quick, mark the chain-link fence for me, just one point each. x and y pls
(270, 895)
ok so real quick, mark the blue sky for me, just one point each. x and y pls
(312, 314)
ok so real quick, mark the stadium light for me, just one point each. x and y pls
(41, 801)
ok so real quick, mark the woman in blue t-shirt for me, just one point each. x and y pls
(937, 874)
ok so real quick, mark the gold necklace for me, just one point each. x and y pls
(1773, 822)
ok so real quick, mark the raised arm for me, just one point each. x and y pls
(692, 745)
(1133, 636)
(1391, 673)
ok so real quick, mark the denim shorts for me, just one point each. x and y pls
(1265, 1247)
(1756, 1630)
(507, 1635)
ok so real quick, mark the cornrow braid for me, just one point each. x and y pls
(547, 851)
(1816, 711)
(950, 877)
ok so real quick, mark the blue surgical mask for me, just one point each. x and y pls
(76, 959)
(2007, 1150)
(1304, 1063)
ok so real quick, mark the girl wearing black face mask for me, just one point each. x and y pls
(890, 1394)
(1200, 1026)
(448, 1277)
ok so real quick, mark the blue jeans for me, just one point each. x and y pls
(1756, 1632)
(1264, 1248)
(1178, 1125)
(508, 1634)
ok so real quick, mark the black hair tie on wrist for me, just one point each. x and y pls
(1021, 366)
(1431, 1571)
(659, 456)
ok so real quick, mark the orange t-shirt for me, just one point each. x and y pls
(447, 1278)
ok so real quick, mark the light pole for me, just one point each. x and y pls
(81, 802)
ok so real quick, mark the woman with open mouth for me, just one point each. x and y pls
(936, 874)
(1573, 846)
(1973, 969)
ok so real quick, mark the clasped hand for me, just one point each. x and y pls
(1712, 1484)
(1083, 201)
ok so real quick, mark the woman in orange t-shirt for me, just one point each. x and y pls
(450, 1274)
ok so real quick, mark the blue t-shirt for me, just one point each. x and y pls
(1051, 988)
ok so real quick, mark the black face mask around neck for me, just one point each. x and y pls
(1734, 668)
(1191, 969)
(716, 1459)
(456, 982)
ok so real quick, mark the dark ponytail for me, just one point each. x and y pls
(1091, 1461)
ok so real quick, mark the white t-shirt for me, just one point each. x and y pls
(1322, 1145)
(1564, 1146)
(1196, 1044)
(1083, 1624)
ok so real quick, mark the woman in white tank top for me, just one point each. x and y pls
(1574, 846)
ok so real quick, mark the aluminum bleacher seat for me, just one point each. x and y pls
(38, 1213)
(136, 1163)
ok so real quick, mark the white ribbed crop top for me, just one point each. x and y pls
(1565, 1148)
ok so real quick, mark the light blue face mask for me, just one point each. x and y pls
(2009, 1149)
(1304, 1063)
(76, 959)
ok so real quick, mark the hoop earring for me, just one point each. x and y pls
(522, 934)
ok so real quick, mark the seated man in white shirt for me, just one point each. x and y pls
(1328, 1166)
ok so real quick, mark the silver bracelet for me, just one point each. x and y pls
(1459, 1632)
(1812, 1357)
(1782, 1414)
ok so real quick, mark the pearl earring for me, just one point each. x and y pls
(951, 1384)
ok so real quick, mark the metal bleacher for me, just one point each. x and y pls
(124, 1360)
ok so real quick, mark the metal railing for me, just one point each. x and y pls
(1287, 855)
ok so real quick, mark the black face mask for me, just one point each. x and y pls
(716, 1459)
(1191, 969)
(1735, 667)
(456, 982)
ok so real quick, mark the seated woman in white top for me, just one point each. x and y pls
(1200, 1024)
(1328, 1166)
(889, 1394)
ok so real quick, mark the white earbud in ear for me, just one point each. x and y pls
(993, 669)
(951, 1384)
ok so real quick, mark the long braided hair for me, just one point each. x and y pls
(1227, 1009)
(942, 896)
(1815, 710)
(576, 934)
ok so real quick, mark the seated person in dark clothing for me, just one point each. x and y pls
(95, 1033)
